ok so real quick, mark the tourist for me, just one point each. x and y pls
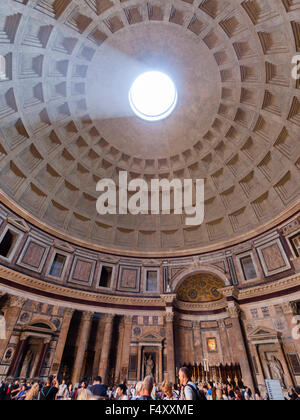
(238, 396)
(190, 390)
(49, 391)
(257, 396)
(147, 389)
(138, 391)
(297, 391)
(168, 392)
(97, 389)
(14, 389)
(62, 391)
(22, 393)
(84, 394)
(33, 393)
(122, 392)
(247, 394)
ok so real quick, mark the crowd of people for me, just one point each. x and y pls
(186, 390)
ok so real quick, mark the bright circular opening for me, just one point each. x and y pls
(153, 96)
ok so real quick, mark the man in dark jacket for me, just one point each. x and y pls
(97, 389)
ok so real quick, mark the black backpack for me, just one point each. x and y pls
(197, 394)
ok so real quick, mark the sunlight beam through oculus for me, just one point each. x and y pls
(153, 96)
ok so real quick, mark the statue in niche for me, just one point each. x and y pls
(2, 326)
(149, 366)
(277, 371)
(26, 364)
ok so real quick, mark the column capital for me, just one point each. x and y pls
(234, 310)
(221, 323)
(197, 324)
(169, 316)
(289, 308)
(127, 319)
(230, 292)
(16, 301)
(108, 317)
(87, 316)
(69, 312)
(168, 298)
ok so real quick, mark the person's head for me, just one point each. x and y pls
(184, 375)
(49, 381)
(121, 390)
(167, 388)
(205, 389)
(297, 390)
(139, 389)
(63, 382)
(148, 385)
(219, 394)
(97, 380)
(83, 385)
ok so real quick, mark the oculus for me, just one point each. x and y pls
(153, 96)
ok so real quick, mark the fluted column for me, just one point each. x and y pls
(61, 341)
(197, 342)
(260, 377)
(169, 299)
(85, 327)
(237, 344)
(119, 352)
(108, 328)
(98, 346)
(224, 342)
(289, 379)
(170, 346)
(126, 347)
(11, 311)
(42, 358)
(16, 359)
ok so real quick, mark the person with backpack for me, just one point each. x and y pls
(190, 390)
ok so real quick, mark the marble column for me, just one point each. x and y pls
(260, 378)
(126, 347)
(36, 360)
(169, 317)
(119, 352)
(85, 327)
(16, 359)
(289, 380)
(197, 342)
(107, 336)
(139, 367)
(42, 358)
(11, 311)
(224, 342)
(98, 347)
(61, 341)
(238, 346)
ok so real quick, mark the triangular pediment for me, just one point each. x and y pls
(18, 223)
(63, 246)
(260, 332)
(151, 337)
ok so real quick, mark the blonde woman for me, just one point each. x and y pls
(84, 395)
(33, 393)
(167, 389)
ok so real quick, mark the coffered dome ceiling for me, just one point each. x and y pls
(65, 119)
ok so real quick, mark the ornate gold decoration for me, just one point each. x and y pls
(200, 288)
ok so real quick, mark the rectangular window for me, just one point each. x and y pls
(248, 268)
(254, 313)
(295, 363)
(151, 281)
(295, 242)
(57, 266)
(105, 277)
(265, 312)
(7, 243)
